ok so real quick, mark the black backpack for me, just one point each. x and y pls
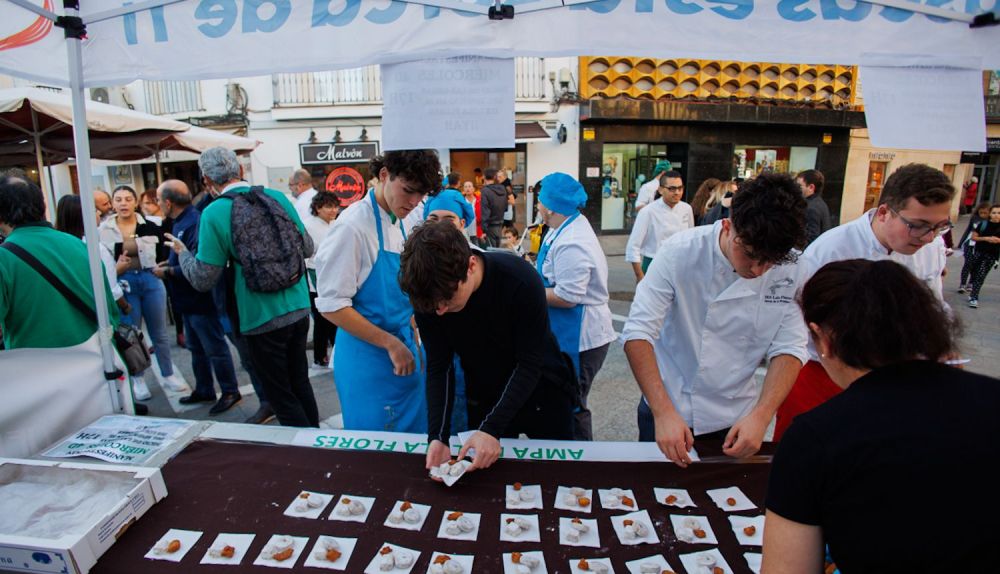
(268, 244)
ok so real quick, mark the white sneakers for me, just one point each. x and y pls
(140, 391)
(176, 385)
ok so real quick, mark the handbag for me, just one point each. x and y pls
(127, 338)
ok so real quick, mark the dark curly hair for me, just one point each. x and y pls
(867, 310)
(322, 199)
(420, 167)
(21, 201)
(435, 260)
(768, 215)
(928, 185)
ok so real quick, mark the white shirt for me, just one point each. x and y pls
(856, 240)
(653, 226)
(710, 328)
(578, 271)
(303, 203)
(349, 251)
(647, 192)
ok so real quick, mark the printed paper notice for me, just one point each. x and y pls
(121, 439)
(464, 102)
(924, 107)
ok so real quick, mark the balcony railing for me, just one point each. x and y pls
(364, 85)
(172, 97)
(993, 108)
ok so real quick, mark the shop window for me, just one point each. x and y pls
(876, 179)
(750, 161)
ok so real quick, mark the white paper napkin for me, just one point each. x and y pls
(741, 522)
(310, 512)
(658, 559)
(297, 549)
(423, 509)
(574, 565)
(187, 538)
(531, 535)
(610, 501)
(522, 504)
(589, 538)
(367, 501)
(474, 517)
(679, 524)
(373, 566)
(465, 560)
(683, 497)
(720, 497)
(346, 549)
(694, 561)
(510, 568)
(642, 517)
(240, 543)
(562, 491)
(753, 561)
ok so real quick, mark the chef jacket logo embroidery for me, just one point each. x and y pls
(774, 297)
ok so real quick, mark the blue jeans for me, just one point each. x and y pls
(209, 352)
(148, 298)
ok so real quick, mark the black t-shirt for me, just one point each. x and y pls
(987, 228)
(505, 345)
(895, 470)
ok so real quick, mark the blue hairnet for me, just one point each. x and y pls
(562, 194)
(453, 201)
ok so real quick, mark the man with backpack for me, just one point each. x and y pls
(259, 235)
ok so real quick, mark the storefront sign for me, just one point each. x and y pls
(347, 184)
(881, 156)
(992, 145)
(355, 152)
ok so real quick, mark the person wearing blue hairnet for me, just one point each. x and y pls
(450, 205)
(575, 272)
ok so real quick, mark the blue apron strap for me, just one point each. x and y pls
(543, 251)
(378, 220)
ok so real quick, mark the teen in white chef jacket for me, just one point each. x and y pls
(654, 225)
(575, 271)
(906, 226)
(713, 305)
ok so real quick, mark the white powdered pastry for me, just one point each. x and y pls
(649, 568)
(404, 559)
(579, 526)
(411, 515)
(570, 499)
(357, 507)
(526, 495)
(395, 517)
(386, 562)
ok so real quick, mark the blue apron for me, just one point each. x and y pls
(565, 323)
(371, 396)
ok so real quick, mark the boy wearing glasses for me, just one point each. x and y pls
(655, 224)
(912, 214)
(718, 299)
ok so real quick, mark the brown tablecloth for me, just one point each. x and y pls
(230, 487)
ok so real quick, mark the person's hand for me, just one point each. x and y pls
(674, 437)
(176, 244)
(403, 363)
(123, 306)
(161, 269)
(639, 276)
(121, 266)
(438, 453)
(746, 436)
(487, 450)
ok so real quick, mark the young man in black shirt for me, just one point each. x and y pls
(489, 308)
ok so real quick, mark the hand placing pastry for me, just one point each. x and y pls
(438, 453)
(487, 450)
(745, 437)
(674, 437)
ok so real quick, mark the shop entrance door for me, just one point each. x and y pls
(624, 169)
(989, 183)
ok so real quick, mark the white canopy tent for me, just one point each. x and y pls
(201, 39)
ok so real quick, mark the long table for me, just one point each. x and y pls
(219, 486)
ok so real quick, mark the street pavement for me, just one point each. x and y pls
(615, 394)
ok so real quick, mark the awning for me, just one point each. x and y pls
(530, 131)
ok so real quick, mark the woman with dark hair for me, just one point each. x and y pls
(69, 219)
(137, 243)
(889, 473)
(968, 246)
(323, 209)
(699, 203)
(375, 361)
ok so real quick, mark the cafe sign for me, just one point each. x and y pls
(326, 153)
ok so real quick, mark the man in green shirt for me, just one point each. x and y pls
(32, 312)
(276, 323)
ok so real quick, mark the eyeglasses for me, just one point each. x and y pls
(918, 230)
(672, 188)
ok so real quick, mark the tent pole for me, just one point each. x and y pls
(159, 169)
(47, 191)
(81, 142)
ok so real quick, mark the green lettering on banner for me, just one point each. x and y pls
(412, 446)
(388, 447)
(320, 441)
(576, 454)
(520, 452)
(554, 453)
(346, 442)
(76, 445)
(536, 454)
(358, 445)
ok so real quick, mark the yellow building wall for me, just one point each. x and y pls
(862, 153)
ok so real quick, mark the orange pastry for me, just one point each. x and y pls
(628, 502)
(173, 546)
(516, 557)
(517, 486)
(333, 555)
(454, 515)
(750, 530)
(583, 565)
(405, 506)
(731, 501)
(442, 558)
(699, 533)
(284, 554)
(670, 499)
(583, 501)
(385, 550)
(228, 552)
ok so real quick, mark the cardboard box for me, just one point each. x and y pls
(77, 553)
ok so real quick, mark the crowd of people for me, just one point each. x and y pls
(849, 320)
